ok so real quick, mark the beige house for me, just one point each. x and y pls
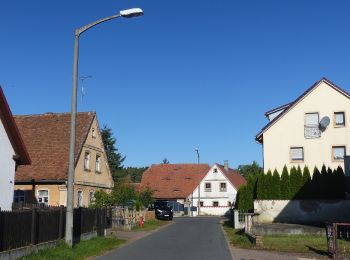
(312, 130)
(46, 137)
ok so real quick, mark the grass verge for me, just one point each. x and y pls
(294, 243)
(93, 247)
(150, 225)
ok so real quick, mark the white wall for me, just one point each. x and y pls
(7, 170)
(302, 211)
(288, 131)
(215, 194)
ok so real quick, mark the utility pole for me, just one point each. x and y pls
(199, 184)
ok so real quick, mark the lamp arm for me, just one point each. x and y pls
(88, 26)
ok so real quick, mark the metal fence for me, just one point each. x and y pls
(338, 239)
(21, 228)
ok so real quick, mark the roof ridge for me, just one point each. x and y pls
(54, 114)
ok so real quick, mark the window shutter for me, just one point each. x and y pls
(311, 119)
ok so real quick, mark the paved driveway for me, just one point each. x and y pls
(187, 238)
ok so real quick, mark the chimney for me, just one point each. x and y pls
(226, 165)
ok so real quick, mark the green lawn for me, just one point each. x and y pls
(294, 243)
(82, 250)
(150, 225)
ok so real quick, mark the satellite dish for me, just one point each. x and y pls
(324, 123)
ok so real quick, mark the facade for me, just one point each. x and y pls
(218, 190)
(312, 130)
(12, 153)
(47, 139)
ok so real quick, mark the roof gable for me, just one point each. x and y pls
(232, 176)
(259, 136)
(47, 139)
(22, 156)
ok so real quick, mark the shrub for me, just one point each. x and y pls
(276, 185)
(285, 184)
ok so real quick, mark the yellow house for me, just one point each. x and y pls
(47, 139)
(312, 130)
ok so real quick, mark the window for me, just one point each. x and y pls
(91, 197)
(223, 186)
(207, 186)
(43, 197)
(215, 170)
(311, 128)
(87, 161)
(201, 203)
(80, 198)
(339, 119)
(297, 154)
(93, 133)
(98, 163)
(338, 153)
(229, 203)
(19, 196)
(215, 204)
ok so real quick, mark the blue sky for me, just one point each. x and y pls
(187, 74)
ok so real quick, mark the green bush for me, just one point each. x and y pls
(285, 184)
(276, 185)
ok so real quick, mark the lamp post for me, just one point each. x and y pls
(199, 185)
(70, 189)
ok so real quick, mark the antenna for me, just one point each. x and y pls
(324, 123)
(82, 78)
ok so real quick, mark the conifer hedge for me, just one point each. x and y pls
(296, 184)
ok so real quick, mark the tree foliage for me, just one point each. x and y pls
(165, 161)
(285, 184)
(114, 157)
(129, 174)
(249, 169)
(246, 194)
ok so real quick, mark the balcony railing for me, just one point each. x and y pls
(312, 131)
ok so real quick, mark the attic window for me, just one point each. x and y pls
(93, 133)
(188, 178)
(167, 178)
(215, 170)
(176, 190)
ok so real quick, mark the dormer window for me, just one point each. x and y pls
(93, 133)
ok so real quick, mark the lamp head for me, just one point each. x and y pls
(133, 12)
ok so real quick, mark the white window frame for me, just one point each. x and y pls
(91, 198)
(98, 163)
(297, 159)
(87, 159)
(205, 187)
(80, 202)
(40, 197)
(223, 189)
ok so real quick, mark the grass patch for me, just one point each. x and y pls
(294, 243)
(150, 225)
(93, 247)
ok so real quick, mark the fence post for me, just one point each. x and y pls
(60, 226)
(33, 227)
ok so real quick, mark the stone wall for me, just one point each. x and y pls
(302, 211)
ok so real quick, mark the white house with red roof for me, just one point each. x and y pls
(12, 153)
(217, 191)
(178, 183)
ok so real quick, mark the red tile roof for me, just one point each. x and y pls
(46, 137)
(6, 117)
(234, 177)
(173, 181)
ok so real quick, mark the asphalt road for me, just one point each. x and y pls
(187, 238)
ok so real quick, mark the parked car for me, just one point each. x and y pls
(163, 210)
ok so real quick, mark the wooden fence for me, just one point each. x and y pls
(21, 228)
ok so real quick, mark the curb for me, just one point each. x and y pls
(226, 238)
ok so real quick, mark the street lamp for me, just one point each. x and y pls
(70, 191)
(199, 185)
